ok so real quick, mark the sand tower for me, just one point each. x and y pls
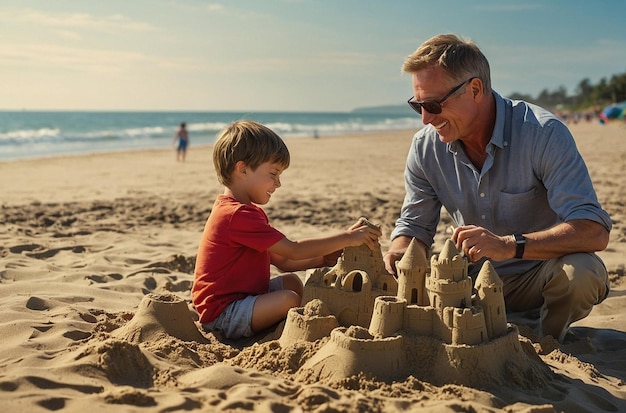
(448, 284)
(490, 295)
(412, 274)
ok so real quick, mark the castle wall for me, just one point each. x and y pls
(443, 324)
(343, 356)
(350, 307)
(386, 282)
(419, 320)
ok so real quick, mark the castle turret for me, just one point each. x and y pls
(412, 273)
(448, 284)
(388, 316)
(449, 264)
(488, 287)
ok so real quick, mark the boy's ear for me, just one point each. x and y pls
(241, 167)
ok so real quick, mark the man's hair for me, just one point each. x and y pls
(460, 58)
(250, 142)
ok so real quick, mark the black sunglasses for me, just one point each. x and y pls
(434, 106)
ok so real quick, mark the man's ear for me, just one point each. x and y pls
(476, 86)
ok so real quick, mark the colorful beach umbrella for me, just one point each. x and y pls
(615, 111)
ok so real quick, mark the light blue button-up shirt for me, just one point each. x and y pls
(533, 178)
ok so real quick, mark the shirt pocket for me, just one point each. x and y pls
(516, 210)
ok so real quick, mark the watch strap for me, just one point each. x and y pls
(520, 245)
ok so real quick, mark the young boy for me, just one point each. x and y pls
(232, 289)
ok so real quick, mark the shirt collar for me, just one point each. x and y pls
(497, 137)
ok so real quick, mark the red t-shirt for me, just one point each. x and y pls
(233, 261)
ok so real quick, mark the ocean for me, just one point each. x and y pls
(31, 134)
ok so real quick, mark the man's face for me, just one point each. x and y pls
(433, 84)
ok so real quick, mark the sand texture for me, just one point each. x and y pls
(96, 265)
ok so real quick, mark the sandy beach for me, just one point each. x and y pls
(85, 239)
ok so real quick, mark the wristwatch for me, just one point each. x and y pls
(520, 244)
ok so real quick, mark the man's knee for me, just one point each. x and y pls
(587, 275)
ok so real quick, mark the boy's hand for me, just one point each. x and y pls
(364, 234)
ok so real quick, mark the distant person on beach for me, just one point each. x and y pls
(232, 289)
(181, 140)
(510, 176)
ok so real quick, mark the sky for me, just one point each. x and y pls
(286, 55)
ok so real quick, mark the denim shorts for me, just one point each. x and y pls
(234, 322)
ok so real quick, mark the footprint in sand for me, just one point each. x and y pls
(78, 249)
(77, 335)
(18, 249)
(44, 383)
(104, 278)
(37, 304)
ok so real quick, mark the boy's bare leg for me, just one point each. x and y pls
(292, 282)
(272, 307)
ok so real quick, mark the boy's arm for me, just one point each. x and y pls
(318, 247)
(287, 265)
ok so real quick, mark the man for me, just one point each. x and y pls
(510, 176)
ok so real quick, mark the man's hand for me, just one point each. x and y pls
(395, 253)
(478, 243)
(390, 259)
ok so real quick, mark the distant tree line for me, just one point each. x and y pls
(588, 96)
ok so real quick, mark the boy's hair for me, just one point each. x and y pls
(250, 142)
(460, 58)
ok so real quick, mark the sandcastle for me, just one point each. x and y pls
(427, 323)
(431, 323)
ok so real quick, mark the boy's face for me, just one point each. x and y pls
(260, 184)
